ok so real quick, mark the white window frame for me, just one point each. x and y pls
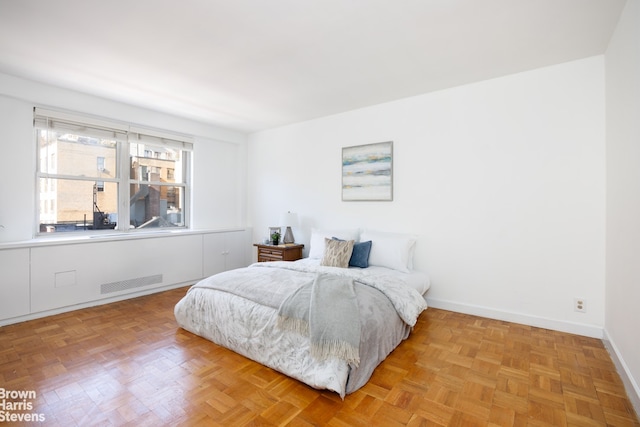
(125, 135)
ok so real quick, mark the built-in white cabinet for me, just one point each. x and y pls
(225, 251)
(14, 285)
(74, 274)
(57, 276)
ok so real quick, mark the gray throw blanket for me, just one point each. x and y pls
(327, 311)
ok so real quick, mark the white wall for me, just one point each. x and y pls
(502, 180)
(219, 156)
(219, 184)
(17, 170)
(623, 194)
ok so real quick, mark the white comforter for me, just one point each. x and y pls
(238, 309)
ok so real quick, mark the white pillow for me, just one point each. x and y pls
(391, 250)
(316, 243)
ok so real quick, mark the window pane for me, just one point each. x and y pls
(76, 155)
(77, 205)
(155, 163)
(156, 206)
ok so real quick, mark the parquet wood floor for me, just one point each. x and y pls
(128, 363)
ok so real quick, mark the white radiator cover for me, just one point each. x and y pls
(104, 269)
(51, 276)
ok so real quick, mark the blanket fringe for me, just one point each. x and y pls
(292, 324)
(341, 349)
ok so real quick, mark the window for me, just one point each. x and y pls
(90, 171)
(156, 182)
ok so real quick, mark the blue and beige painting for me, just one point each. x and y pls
(367, 172)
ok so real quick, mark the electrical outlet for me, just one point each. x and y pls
(580, 305)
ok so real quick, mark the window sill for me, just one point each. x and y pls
(107, 237)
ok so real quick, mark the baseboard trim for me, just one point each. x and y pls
(630, 384)
(509, 316)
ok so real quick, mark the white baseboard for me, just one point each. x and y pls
(509, 316)
(630, 384)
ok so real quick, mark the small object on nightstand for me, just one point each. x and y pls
(288, 220)
(272, 232)
(287, 252)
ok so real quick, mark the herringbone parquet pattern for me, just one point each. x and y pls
(128, 363)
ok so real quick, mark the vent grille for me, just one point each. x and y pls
(122, 285)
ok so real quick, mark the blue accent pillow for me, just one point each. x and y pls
(360, 254)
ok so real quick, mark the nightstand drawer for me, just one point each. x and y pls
(279, 252)
(269, 255)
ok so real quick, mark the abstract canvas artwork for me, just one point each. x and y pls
(367, 172)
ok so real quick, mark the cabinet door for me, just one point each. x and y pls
(224, 251)
(14, 286)
(237, 244)
(213, 253)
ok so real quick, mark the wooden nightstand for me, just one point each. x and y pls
(288, 252)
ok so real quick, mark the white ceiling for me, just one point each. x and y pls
(255, 64)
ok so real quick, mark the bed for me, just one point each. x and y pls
(244, 309)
